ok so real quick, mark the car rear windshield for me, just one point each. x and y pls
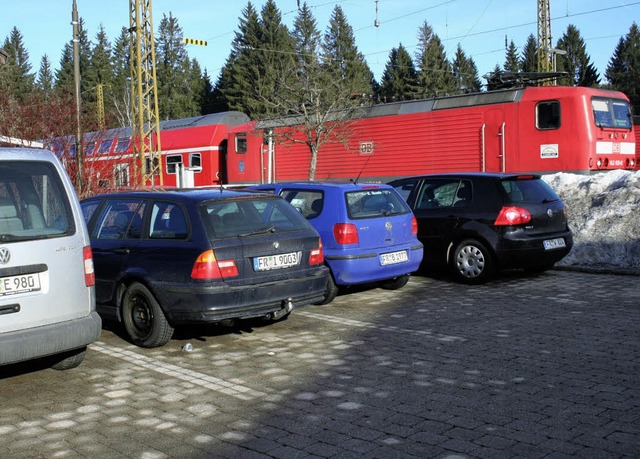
(528, 190)
(33, 202)
(246, 217)
(374, 203)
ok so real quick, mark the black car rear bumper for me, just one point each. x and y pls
(530, 252)
(190, 304)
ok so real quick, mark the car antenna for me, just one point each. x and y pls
(355, 182)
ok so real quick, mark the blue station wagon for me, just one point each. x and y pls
(169, 258)
(368, 231)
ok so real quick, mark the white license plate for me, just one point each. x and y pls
(393, 258)
(551, 244)
(283, 260)
(19, 284)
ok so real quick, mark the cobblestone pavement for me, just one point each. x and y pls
(542, 366)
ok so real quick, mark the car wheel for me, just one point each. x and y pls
(330, 293)
(471, 262)
(396, 283)
(143, 318)
(69, 359)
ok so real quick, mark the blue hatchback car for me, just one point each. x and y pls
(368, 232)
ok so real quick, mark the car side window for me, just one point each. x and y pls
(168, 221)
(405, 187)
(443, 193)
(308, 202)
(120, 219)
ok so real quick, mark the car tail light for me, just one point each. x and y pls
(89, 273)
(512, 215)
(345, 233)
(208, 267)
(317, 255)
(414, 226)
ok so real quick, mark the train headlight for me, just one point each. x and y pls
(599, 162)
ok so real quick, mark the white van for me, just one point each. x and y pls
(47, 296)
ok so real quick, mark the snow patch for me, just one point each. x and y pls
(604, 215)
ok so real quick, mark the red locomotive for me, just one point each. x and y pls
(532, 129)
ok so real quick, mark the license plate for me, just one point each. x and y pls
(19, 284)
(283, 260)
(393, 258)
(551, 244)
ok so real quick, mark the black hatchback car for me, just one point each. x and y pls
(169, 258)
(478, 223)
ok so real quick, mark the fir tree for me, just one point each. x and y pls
(16, 78)
(400, 79)
(576, 62)
(45, 79)
(65, 79)
(119, 96)
(511, 62)
(529, 57)
(435, 77)
(623, 71)
(173, 72)
(465, 72)
(240, 72)
(342, 57)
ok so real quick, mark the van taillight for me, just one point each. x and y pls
(345, 233)
(317, 255)
(512, 215)
(208, 267)
(89, 273)
(414, 226)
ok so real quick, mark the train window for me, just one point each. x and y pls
(122, 145)
(173, 162)
(195, 162)
(611, 113)
(241, 142)
(89, 148)
(548, 115)
(104, 146)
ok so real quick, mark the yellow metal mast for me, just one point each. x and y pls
(100, 97)
(147, 154)
(544, 37)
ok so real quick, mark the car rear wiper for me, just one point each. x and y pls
(268, 229)
(547, 200)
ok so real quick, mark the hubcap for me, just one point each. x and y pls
(470, 261)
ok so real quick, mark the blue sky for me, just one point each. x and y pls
(480, 26)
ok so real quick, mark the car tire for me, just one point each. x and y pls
(330, 293)
(69, 359)
(395, 283)
(472, 262)
(144, 321)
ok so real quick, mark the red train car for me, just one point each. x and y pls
(193, 152)
(533, 129)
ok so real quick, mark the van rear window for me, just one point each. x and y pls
(33, 202)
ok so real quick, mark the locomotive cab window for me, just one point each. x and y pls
(173, 163)
(241, 142)
(548, 115)
(195, 162)
(611, 113)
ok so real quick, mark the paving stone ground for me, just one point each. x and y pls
(543, 366)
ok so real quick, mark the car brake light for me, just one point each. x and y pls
(414, 226)
(512, 215)
(89, 273)
(317, 255)
(345, 233)
(208, 267)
